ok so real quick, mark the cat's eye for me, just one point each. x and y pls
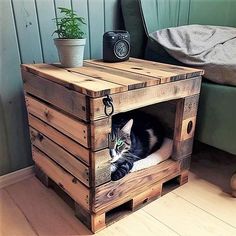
(120, 142)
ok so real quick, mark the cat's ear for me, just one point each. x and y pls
(127, 128)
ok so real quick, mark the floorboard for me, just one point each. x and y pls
(12, 220)
(203, 206)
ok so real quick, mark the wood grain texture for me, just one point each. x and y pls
(74, 103)
(75, 129)
(185, 121)
(62, 140)
(164, 72)
(44, 179)
(147, 96)
(66, 181)
(146, 197)
(209, 212)
(138, 223)
(92, 221)
(178, 72)
(11, 215)
(74, 81)
(197, 222)
(100, 167)
(210, 196)
(114, 193)
(61, 156)
(46, 213)
(125, 77)
(185, 163)
(96, 72)
(99, 131)
(183, 178)
(182, 149)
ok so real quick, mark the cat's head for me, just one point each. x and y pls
(122, 141)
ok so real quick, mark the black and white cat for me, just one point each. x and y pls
(135, 136)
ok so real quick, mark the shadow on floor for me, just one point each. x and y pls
(213, 165)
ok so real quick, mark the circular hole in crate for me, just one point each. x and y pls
(189, 127)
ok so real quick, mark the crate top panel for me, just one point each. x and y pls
(97, 78)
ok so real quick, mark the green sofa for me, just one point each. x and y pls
(216, 125)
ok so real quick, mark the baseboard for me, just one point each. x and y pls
(16, 176)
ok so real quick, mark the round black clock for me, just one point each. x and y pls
(116, 46)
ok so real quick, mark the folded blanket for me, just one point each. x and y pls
(155, 158)
(212, 48)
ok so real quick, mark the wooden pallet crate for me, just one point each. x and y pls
(70, 129)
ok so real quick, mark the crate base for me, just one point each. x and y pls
(101, 220)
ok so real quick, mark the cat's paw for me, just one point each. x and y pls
(115, 176)
(118, 174)
(113, 167)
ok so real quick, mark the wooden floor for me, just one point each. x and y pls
(201, 207)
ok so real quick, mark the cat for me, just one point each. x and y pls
(135, 135)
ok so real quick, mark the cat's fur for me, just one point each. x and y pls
(135, 136)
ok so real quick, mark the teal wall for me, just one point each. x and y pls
(25, 37)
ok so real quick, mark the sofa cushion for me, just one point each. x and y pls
(212, 48)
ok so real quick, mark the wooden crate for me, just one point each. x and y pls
(70, 130)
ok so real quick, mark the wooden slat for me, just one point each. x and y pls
(80, 83)
(146, 96)
(100, 167)
(126, 78)
(187, 129)
(73, 128)
(114, 193)
(164, 72)
(67, 143)
(66, 181)
(96, 73)
(146, 196)
(59, 155)
(56, 94)
(190, 106)
(178, 70)
(185, 121)
(182, 149)
(99, 131)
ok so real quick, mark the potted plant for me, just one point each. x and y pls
(70, 42)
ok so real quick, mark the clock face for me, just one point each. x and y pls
(121, 49)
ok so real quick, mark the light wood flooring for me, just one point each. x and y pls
(201, 207)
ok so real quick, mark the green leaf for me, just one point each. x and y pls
(69, 24)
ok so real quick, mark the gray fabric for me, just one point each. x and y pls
(212, 48)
